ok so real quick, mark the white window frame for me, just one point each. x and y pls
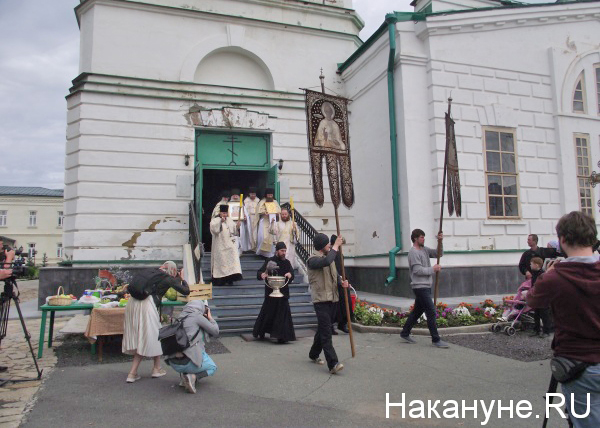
(61, 219)
(32, 218)
(580, 79)
(30, 247)
(597, 76)
(500, 130)
(59, 250)
(3, 217)
(583, 168)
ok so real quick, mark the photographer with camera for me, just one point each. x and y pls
(7, 256)
(571, 288)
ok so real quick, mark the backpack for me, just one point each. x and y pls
(143, 283)
(173, 338)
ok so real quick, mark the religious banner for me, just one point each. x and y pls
(327, 128)
(453, 186)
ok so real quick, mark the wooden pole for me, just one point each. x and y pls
(337, 225)
(345, 290)
(439, 245)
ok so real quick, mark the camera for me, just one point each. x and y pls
(18, 264)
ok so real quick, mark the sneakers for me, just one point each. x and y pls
(338, 367)
(158, 373)
(133, 377)
(544, 335)
(189, 383)
(181, 382)
(534, 333)
(318, 361)
(408, 339)
(440, 344)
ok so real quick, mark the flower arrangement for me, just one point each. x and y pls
(463, 314)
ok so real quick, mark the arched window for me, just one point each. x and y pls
(597, 70)
(579, 95)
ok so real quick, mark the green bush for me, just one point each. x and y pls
(32, 272)
(465, 320)
(442, 322)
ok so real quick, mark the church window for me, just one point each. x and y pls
(582, 148)
(501, 172)
(579, 95)
(597, 69)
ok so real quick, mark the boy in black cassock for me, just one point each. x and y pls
(275, 315)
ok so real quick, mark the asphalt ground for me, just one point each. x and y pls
(270, 385)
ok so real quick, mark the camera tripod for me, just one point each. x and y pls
(10, 284)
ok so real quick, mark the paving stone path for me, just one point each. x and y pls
(17, 399)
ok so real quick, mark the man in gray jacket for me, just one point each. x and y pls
(421, 271)
(324, 279)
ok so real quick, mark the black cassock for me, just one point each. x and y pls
(275, 316)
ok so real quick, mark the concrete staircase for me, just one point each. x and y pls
(236, 307)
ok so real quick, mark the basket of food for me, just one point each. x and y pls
(61, 299)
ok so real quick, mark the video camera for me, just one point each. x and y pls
(19, 264)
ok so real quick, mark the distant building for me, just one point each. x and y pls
(33, 218)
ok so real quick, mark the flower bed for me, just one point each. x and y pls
(463, 314)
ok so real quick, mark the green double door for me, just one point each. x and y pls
(227, 160)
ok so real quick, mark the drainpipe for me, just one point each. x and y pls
(391, 21)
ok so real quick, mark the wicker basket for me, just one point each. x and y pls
(60, 301)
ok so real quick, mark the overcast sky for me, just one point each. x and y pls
(39, 57)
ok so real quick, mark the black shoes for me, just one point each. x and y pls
(343, 327)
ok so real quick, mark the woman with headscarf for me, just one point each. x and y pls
(194, 363)
(142, 322)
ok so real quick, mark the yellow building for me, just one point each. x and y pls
(33, 217)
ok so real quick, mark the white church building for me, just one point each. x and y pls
(176, 102)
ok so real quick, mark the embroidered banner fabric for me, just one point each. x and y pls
(453, 180)
(327, 129)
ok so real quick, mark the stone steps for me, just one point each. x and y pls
(236, 307)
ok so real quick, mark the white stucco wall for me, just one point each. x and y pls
(509, 68)
(129, 126)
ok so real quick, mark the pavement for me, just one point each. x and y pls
(270, 385)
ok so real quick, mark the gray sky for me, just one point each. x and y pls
(39, 57)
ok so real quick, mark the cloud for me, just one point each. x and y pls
(36, 69)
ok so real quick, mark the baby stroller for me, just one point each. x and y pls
(518, 315)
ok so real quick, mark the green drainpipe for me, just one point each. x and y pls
(391, 20)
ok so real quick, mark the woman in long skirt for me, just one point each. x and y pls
(142, 322)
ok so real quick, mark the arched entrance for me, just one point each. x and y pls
(228, 160)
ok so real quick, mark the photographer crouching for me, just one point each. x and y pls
(571, 288)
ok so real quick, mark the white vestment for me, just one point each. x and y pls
(287, 233)
(250, 210)
(225, 259)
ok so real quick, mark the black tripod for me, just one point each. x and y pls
(10, 284)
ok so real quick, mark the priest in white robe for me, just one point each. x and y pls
(265, 224)
(248, 233)
(287, 232)
(225, 264)
(224, 200)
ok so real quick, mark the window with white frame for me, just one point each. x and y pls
(597, 70)
(61, 219)
(582, 148)
(501, 173)
(579, 95)
(3, 216)
(59, 250)
(32, 218)
(31, 250)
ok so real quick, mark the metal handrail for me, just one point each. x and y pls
(304, 246)
(194, 239)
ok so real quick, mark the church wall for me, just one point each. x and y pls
(129, 125)
(502, 69)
